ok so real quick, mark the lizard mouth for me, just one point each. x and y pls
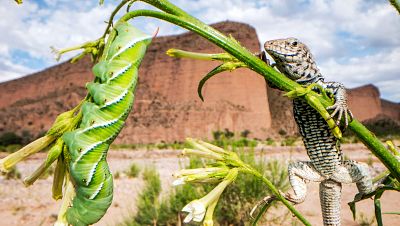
(279, 53)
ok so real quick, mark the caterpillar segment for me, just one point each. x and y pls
(103, 118)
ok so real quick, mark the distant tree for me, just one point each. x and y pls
(8, 138)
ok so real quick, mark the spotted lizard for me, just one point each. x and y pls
(327, 166)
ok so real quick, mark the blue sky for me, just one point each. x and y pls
(355, 42)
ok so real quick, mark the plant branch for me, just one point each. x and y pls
(275, 191)
(395, 4)
(178, 17)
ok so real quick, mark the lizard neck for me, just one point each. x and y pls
(303, 72)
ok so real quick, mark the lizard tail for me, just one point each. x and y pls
(329, 194)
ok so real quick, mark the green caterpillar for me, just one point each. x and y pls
(103, 117)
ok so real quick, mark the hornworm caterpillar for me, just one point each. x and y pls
(112, 96)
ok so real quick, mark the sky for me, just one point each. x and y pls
(355, 42)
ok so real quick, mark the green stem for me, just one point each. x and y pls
(180, 18)
(275, 191)
(395, 4)
(200, 56)
(260, 214)
(378, 208)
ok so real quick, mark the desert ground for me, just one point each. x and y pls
(34, 206)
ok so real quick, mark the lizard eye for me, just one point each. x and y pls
(294, 43)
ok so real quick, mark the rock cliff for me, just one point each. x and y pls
(167, 107)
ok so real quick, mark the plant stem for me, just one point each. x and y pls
(275, 191)
(200, 56)
(180, 18)
(395, 4)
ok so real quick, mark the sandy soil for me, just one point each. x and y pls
(34, 205)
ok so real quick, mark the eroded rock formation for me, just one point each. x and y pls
(167, 107)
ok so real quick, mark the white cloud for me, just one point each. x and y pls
(354, 41)
(10, 70)
(379, 67)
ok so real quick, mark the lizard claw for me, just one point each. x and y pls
(266, 200)
(340, 108)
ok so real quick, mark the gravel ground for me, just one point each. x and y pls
(34, 205)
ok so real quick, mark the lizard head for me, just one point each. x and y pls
(293, 58)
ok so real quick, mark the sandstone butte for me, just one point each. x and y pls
(167, 107)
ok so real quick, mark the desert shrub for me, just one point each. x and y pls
(245, 133)
(147, 204)
(282, 132)
(8, 138)
(117, 175)
(226, 133)
(177, 145)
(13, 148)
(217, 134)
(227, 139)
(162, 145)
(269, 141)
(13, 173)
(133, 170)
(243, 142)
(234, 205)
(289, 141)
(383, 126)
(26, 137)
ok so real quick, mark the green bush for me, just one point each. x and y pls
(245, 133)
(289, 141)
(269, 141)
(282, 132)
(26, 137)
(13, 148)
(8, 138)
(383, 126)
(227, 139)
(133, 170)
(147, 204)
(233, 207)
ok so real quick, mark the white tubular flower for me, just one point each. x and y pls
(11, 160)
(212, 147)
(200, 175)
(197, 208)
(204, 149)
(179, 181)
(208, 220)
(196, 211)
(203, 154)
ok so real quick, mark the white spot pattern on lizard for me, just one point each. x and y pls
(327, 166)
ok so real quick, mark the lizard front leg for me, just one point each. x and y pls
(340, 106)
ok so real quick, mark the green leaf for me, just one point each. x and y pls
(228, 66)
(353, 209)
(396, 213)
(378, 209)
(262, 211)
